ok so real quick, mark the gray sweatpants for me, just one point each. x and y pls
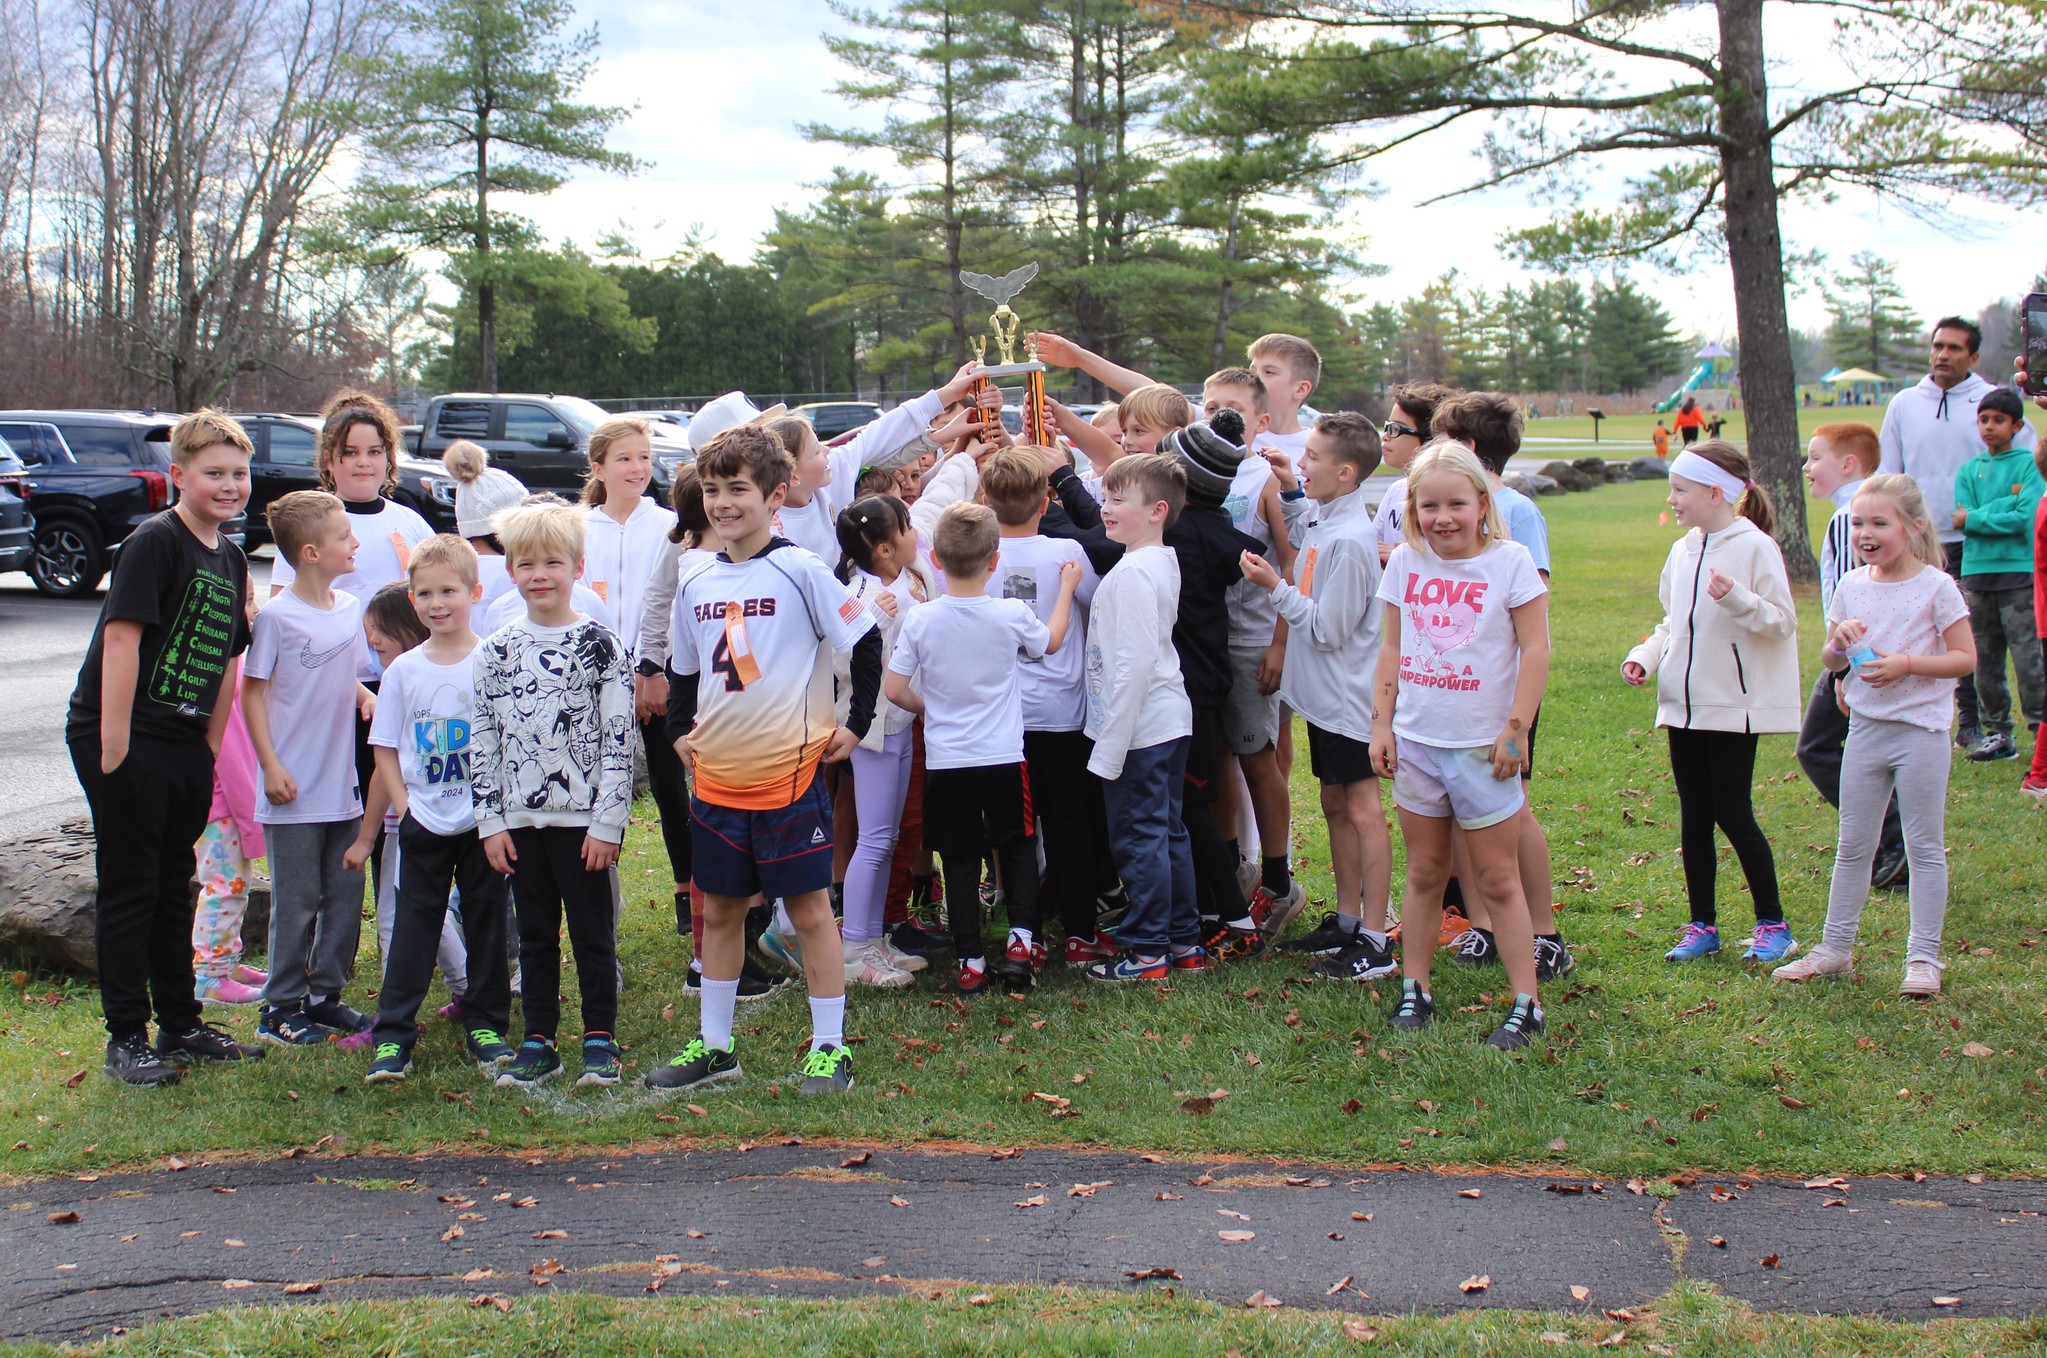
(315, 909)
(2002, 620)
(1883, 755)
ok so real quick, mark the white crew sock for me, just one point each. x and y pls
(827, 1022)
(719, 999)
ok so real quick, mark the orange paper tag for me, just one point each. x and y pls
(602, 589)
(404, 553)
(1308, 570)
(738, 648)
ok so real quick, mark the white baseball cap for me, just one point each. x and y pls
(727, 412)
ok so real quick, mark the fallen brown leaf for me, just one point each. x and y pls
(876, 1262)
(1470, 1192)
(63, 1218)
(1360, 1216)
(75, 1079)
(1056, 1100)
(855, 1161)
(452, 1233)
(1035, 1201)
(898, 1202)
(1622, 1314)
(1718, 1242)
(236, 1284)
(550, 1235)
(1340, 1284)
(476, 1275)
(1560, 1145)
(694, 1111)
(1198, 1106)
(1771, 1260)
(232, 1243)
(1142, 1274)
(1262, 1300)
(1165, 1195)
(491, 1299)
(1236, 1237)
(1477, 1282)
(1947, 1301)
(1790, 1102)
(301, 1289)
(1359, 1330)
(1580, 1293)
(1977, 1049)
(1089, 1190)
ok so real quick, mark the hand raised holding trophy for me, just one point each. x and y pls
(1004, 325)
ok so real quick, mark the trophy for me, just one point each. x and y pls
(1003, 325)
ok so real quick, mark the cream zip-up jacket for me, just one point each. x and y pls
(1725, 664)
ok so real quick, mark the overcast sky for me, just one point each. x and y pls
(721, 89)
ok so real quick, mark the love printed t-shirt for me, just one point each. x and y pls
(1903, 617)
(424, 712)
(1459, 659)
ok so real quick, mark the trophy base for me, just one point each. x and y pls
(1011, 369)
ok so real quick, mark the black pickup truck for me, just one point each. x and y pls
(542, 440)
(93, 477)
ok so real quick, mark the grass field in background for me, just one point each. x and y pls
(1648, 1068)
(984, 1322)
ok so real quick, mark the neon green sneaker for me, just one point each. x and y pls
(391, 1064)
(827, 1070)
(698, 1064)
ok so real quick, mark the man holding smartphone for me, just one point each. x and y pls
(1928, 432)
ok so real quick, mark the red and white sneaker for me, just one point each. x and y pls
(1019, 962)
(973, 981)
(1272, 914)
(2035, 787)
(1100, 948)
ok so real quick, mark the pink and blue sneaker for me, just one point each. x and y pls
(1772, 942)
(1698, 940)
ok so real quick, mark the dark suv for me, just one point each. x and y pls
(93, 476)
(283, 463)
(17, 526)
(542, 440)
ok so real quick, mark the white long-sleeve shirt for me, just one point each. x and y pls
(1135, 695)
(1333, 619)
(619, 560)
(1928, 433)
(884, 443)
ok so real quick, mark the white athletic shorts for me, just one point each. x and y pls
(1440, 782)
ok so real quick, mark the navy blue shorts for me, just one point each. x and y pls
(784, 852)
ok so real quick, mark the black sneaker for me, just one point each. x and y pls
(489, 1050)
(334, 1015)
(827, 1070)
(1325, 938)
(696, 1065)
(1475, 948)
(288, 1026)
(1995, 746)
(1968, 737)
(1522, 1026)
(205, 1042)
(1360, 960)
(1415, 1009)
(693, 979)
(756, 982)
(1110, 908)
(391, 1064)
(535, 1063)
(1552, 958)
(600, 1062)
(132, 1061)
(1889, 870)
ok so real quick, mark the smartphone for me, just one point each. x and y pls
(2036, 342)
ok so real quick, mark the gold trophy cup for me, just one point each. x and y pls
(1003, 325)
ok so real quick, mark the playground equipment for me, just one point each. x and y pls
(1713, 361)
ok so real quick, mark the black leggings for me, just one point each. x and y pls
(670, 788)
(1713, 771)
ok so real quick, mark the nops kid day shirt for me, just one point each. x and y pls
(424, 713)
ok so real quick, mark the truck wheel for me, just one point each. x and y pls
(68, 563)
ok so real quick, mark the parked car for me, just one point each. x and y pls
(679, 419)
(17, 525)
(93, 477)
(283, 463)
(833, 418)
(542, 440)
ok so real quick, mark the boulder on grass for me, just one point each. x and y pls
(47, 887)
(1567, 476)
(1543, 485)
(1650, 468)
(1594, 467)
(1619, 471)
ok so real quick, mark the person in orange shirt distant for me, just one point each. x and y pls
(1661, 438)
(1690, 419)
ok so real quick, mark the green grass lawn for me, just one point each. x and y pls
(976, 1321)
(1627, 431)
(1649, 1068)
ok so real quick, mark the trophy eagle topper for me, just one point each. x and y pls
(1003, 324)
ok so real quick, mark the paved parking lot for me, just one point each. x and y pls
(42, 642)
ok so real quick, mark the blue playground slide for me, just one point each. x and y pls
(1692, 383)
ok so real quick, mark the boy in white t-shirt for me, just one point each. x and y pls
(420, 736)
(1405, 431)
(1067, 798)
(299, 703)
(964, 649)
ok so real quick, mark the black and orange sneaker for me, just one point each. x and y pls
(1227, 943)
(1194, 959)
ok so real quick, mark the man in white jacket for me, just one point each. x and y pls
(1929, 431)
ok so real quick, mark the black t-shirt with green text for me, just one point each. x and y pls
(189, 599)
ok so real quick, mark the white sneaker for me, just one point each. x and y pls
(1818, 962)
(1922, 979)
(897, 958)
(1248, 876)
(869, 967)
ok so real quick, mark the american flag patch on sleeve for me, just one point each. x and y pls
(851, 609)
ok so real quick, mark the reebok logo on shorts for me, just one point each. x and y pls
(817, 836)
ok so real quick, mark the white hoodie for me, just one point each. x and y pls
(619, 560)
(1928, 433)
(1725, 664)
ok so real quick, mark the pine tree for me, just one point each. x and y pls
(1873, 327)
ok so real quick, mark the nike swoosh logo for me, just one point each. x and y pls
(313, 661)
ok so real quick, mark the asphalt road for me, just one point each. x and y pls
(42, 641)
(819, 1220)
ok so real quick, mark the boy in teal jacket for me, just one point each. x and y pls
(1996, 495)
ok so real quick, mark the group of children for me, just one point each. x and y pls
(1064, 678)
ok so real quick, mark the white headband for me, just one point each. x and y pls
(1692, 467)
